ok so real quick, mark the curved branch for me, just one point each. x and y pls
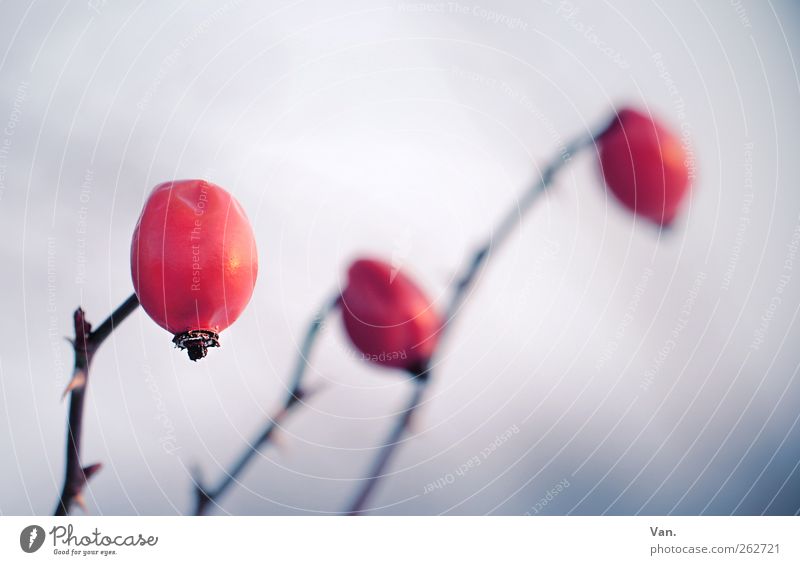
(205, 496)
(392, 440)
(465, 282)
(85, 344)
(506, 227)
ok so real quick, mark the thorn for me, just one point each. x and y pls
(314, 390)
(78, 381)
(90, 470)
(278, 440)
(82, 327)
(277, 437)
(296, 397)
(80, 501)
(412, 428)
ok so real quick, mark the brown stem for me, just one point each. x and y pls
(86, 344)
(465, 282)
(204, 496)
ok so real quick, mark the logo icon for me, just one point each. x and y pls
(31, 538)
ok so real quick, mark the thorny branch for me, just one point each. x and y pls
(297, 393)
(85, 344)
(465, 282)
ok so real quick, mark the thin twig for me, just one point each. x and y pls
(204, 496)
(392, 440)
(506, 227)
(86, 344)
(465, 282)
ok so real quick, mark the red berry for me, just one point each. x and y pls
(193, 261)
(644, 165)
(388, 318)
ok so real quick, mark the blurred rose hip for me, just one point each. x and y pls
(388, 318)
(193, 262)
(644, 165)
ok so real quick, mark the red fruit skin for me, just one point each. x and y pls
(193, 257)
(388, 318)
(645, 166)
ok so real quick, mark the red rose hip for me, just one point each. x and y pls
(388, 318)
(193, 262)
(644, 165)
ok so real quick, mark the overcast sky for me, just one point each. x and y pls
(624, 370)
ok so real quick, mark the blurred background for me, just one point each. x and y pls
(600, 367)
